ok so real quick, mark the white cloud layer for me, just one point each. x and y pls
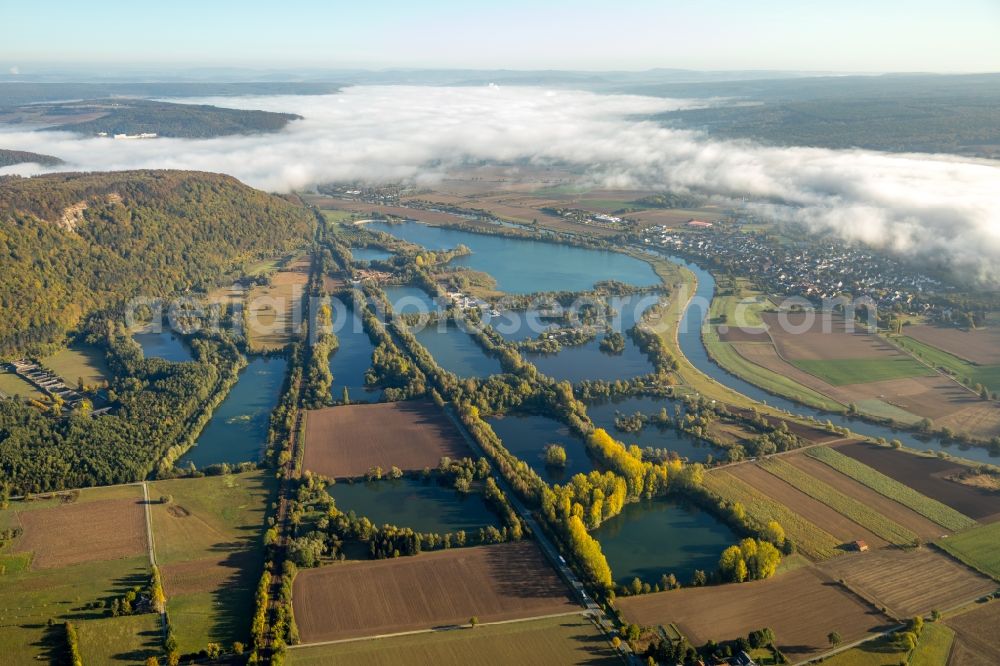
(940, 207)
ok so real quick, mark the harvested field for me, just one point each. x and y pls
(938, 513)
(273, 311)
(976, 636)
(816, 512)
(927, 475)
(800, 336)
(673, 217)
(741, 334)
(859, 512)
(801, 606)
(909, 582)
(349, 440)
(80, 532)
(981, 346)
(911, 520)
(557, 641)
(441, 588)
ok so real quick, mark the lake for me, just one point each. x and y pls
(424, 506)
(525, 435)
(166, 345)
(237, 431)
(603, 415)
(524, 266)
(351, 360)
(456, 351)
(655, 537)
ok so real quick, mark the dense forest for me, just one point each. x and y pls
(161, 406)
(74, 243)
(189, 121)
(12, 157)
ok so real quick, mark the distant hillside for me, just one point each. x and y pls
(11, 157)
(897, 113)
(189, 121)
(17, 93)
(72, 243)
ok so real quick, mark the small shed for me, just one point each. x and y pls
(860, 546)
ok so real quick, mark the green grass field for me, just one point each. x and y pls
(841, 372)
(860, 513)
(932, 509)
(879, 652)
(808, 538)
(130, 639)
(977, 548)
(79, 361)
(934, 645)
(11, 384)
(338, 216)
(724, 354)
(570, 639)
(987, 375)
(30, 598)
(213, 530)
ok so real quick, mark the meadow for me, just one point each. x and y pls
(977, 548)
(209, 546)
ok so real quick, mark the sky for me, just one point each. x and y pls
(846, 36)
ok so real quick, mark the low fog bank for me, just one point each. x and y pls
(935, 207)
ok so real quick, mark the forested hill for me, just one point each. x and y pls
(11, 157)
(73, 243)
(136, 116)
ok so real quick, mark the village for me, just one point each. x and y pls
(821, 269)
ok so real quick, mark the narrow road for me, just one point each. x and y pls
(546, 546)
(152, 550)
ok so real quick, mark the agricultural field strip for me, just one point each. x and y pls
(989, 375)
(940, 513)
(836, 500)
(812, 541)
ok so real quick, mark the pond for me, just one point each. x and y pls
(166, 345)
(525, 435)
(407, 299)
(457, 351)
(369, 254)
(655, 537)
(603, 415)
(524, 266)
(237, 431)
(422, 505)
(351, 360)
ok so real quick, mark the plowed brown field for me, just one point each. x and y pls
(349, 440)
(442, 588)
(801, 606)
